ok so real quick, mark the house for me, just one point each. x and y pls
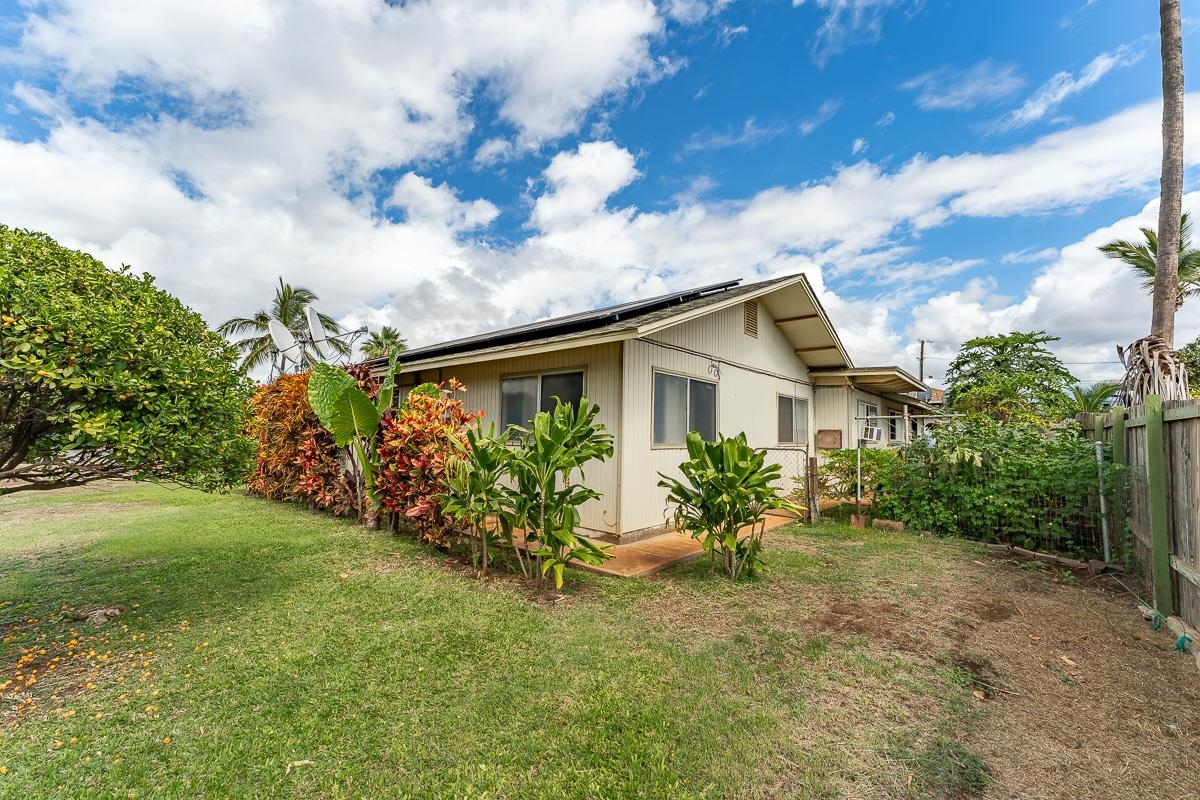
(760, 358)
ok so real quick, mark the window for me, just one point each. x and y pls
(793, 420)
(893, 424)
(867, 417)
(521, 398)
(682, 405)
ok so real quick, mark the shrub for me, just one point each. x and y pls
(727, 486)
(1014, 482)
(296, 459)
(475, 495)
(415, 443)
(837, 476)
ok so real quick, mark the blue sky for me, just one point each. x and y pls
(940, 169)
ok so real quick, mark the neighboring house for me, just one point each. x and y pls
(760, 359)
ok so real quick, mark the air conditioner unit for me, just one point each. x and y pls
(871, 434)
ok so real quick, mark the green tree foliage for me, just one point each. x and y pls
(288, 309)
(1142, 258)
(103, 375)
(384, 342)
(1014, 482)
(1009, 376)
(1189, 355)
(837, 477)
(727, 487)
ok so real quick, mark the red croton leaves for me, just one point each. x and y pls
(414, 444)
(296, 457)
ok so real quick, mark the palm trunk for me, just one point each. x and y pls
(1166, 275)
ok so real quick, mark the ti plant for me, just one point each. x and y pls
(727, 488)
(353, 417)
(544, 501)
(474, 493)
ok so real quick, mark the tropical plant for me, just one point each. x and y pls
(416, 443)
(288, 309)
(1189, 357)
(104, 375)
(727, 487)
(837, 476)
(349, 413)
(475, 495)
(384, 342)
(1015, 482)
(1142, 258)
(1093, 399)
(1009, 376)
(545, 501)
(296, 459)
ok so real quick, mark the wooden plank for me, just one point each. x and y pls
(1160, 522)
(1135, 422)
(1120, 493)
(1189, 411)
(799, 318)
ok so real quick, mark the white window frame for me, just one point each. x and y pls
(807, 428)
(687, 411)
(539, 375)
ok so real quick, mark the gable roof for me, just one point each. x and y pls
(789, 299)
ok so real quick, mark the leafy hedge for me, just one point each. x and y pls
(296, 458)
(1014, 482)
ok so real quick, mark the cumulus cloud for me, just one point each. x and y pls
(946, 88)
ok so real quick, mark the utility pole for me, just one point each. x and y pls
(921, 376)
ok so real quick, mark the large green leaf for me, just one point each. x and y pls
(326, 385)
(353, 415)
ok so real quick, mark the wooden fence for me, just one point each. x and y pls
(1157, 497)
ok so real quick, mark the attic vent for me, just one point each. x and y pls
(750, 312)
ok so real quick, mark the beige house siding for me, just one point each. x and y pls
(749, 372)
(601, 365)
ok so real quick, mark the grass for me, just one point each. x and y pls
(265, 651)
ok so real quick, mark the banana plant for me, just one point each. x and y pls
(727, 488)
(544, 501)
(353, 417)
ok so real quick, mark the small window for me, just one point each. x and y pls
(750, 315)
(521, 398)
(682, 405)
(893, 424)
(793, 420)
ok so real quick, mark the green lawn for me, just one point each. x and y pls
(266, 651)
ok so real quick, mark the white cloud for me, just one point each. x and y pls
(886, 120)
(693, 12)
(749, 135)
(859, 145)
(825, 112)
(730, 32)
(438, 206)
(947, 88)
(1051, 94)
(848, 22)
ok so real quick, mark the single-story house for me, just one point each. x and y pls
(760, 358)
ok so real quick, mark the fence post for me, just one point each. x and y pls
(1160, 523)
(1120, 481)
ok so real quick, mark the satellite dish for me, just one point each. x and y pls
(283, 340)
(317, 330)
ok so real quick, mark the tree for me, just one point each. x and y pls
(1143, 259)
(288, 309)
(1189, 357)
(1092, 399)
(103, 375)
(1151, 365)
(1009, 376)
(1166, 279)
(384, 342)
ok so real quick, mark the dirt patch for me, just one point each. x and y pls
(876, 619)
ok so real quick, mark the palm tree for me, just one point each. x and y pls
(1092, 399)
(384, 342)
(287, 309)
(1143, 259)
